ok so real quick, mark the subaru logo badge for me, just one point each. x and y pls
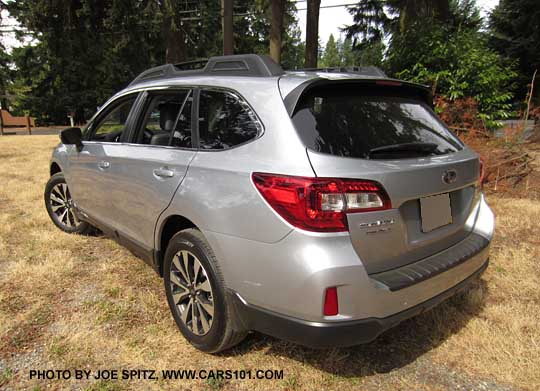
(449, 176)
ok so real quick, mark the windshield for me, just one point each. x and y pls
(352, 122)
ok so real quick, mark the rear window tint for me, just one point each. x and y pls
(353, 121)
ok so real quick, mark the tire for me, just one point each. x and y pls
(206, 291)
(60, 208)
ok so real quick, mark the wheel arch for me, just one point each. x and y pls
(169, 227)
(55, 168)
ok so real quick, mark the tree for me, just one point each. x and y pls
(276, 30)
(253, 27)
(4, 69)
(84, 51)
(438, 43)
(332, 55)
(458, 65)
(312, 33)
(228, 43)
(515, 33)
(377, 20)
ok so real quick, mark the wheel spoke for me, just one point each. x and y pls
(64, 190)
(204, 321)
(196, 269)
(178, 282)
(180, 268)
(56, 199)
(56, 207)
(68, 221)
(186, 311)
(194, 319)
(58, 192)
(185, 260)
(62, 217)
(205, 286)
(180, 296)
(208, 307)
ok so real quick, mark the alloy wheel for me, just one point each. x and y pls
(192, 292)
(62, 206)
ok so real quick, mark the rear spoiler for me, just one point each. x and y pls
(293, 97)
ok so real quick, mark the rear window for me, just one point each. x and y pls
(361, 122)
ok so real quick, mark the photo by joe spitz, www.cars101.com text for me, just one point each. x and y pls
(320, 206)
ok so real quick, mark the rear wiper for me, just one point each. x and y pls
(403, 150)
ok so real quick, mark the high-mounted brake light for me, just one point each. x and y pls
(320, 204)
(388, 83)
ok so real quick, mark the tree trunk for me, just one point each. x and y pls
(276, 30)
(227, 11)
(312, 33)
(442, 10)
(175, 49)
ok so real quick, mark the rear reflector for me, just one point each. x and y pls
(320, 204)
(330, 302)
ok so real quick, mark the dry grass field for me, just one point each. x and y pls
(72, 302)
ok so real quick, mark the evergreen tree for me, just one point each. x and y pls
(85, 50)
(437, 43)
(331, 56)
(515, 33)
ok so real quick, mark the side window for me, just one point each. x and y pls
(225, 120)
(168, 120)
(111, 127)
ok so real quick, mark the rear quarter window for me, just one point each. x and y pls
(353, 121)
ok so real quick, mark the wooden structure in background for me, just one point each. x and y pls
(6, 119)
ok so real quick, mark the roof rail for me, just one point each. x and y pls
(367, 71)
(236, 65)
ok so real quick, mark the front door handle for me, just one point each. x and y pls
(164, 172)
(104, 164)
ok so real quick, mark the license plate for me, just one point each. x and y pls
(435, 212)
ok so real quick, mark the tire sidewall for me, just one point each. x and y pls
(212, 340)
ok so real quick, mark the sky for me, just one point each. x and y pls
(330, 19)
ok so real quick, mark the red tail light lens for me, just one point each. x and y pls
(330, 302)
(320, 204)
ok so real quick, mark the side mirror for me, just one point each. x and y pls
(72, 136)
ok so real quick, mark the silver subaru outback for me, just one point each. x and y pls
(321, 207)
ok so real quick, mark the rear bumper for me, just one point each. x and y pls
(335, 334)
(289, 277)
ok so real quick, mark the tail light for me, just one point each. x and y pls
(320, 204)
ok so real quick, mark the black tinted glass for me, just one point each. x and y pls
(225, 121)
(111, 127)
(168, 120)
(369, 124)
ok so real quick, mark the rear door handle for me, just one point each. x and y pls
(104, 164)
(164, 172)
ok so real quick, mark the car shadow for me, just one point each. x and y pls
(393, 349)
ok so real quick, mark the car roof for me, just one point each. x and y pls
(251, 73)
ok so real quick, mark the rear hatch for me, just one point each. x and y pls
(387, 132)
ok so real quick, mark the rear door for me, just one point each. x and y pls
(390, 135)
(148, 170)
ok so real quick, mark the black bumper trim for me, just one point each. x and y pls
(419, 271)
(334, 334)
